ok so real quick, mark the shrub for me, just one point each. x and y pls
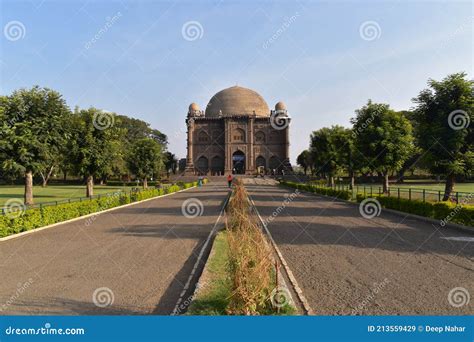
(46, 215)
(443, 211)
(342, 194)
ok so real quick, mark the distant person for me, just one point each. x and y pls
(200, 179)
(229, 180)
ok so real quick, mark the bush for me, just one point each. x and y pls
(342, 194)
(46, 215)
(443, 211)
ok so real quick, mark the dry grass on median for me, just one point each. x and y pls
(249, 259)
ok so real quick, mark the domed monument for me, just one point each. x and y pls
(237, 133)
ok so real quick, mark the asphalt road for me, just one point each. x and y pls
(347, 264)
(140, 256)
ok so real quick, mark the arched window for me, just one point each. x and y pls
(238, 135)
(203, 137)
(260, 137)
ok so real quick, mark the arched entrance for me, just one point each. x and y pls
(202, 165)
(217, 166)
(260, 161)
(238, 162)
(274, 165)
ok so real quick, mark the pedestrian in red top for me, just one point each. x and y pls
(229, 180)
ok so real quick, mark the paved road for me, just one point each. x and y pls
(346, 264)
(143, 253)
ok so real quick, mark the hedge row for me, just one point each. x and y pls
(46, 215)
(342, 194)
(443, 211)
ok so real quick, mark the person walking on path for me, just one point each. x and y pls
(229, 180)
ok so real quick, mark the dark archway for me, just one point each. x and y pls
(260, 161)
(238, 162)
(217, 166)
(274, 165)
(202, 165)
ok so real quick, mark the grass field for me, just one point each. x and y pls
(433, 191)
(54, 192)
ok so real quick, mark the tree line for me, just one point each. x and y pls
(435, 135)
(40, 136)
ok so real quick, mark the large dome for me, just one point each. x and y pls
(237, 101)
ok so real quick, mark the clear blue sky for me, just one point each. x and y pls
(312, 55)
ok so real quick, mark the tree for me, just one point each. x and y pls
(94, 147)
(444, 116)
(171, 162)
(303, 160)
(33, 130)
(329, 150)
(383, 137)
(145, 159)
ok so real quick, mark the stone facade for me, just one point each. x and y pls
(236, 134)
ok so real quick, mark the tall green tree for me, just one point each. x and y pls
(383, 137)
(94, 146)
(171, 162)
(444, 115)
(145, 159)
(304, 160)
(33, 131)
(329, 150)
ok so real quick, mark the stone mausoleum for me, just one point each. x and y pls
(237, 133)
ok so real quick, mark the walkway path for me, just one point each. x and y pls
(346, 264)
(143, 253)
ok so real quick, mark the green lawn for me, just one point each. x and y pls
(54, 192)
(433, 191)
